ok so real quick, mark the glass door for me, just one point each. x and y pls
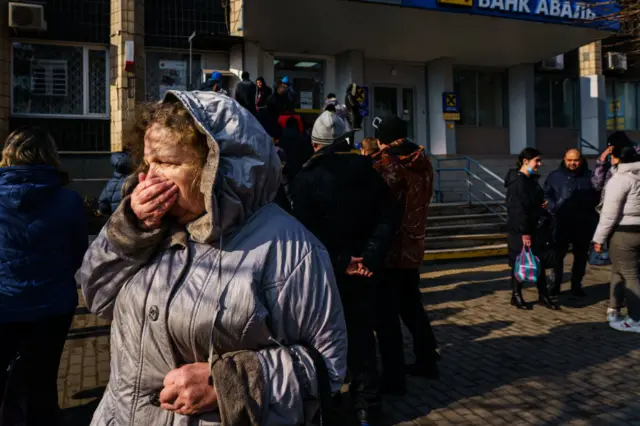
(398, 101)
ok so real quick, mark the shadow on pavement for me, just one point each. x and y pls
(81, 415)
(472, 367)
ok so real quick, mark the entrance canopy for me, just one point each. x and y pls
(330, 27)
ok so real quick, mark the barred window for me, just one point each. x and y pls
(49, 78)
(53, 80)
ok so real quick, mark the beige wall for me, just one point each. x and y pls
(482, 140)
(127, 23)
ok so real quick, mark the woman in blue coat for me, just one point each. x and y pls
(43, 237)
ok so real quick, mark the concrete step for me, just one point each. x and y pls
(452, 209)
(464, 219)
(466, 229)
(463, 240)
(493, 250)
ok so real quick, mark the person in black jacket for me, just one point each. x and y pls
(572, 201)
(263, 93)
(341, 199)
(246, 93)
(296, 146)
(525, 202)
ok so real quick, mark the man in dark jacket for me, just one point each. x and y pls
(246, 93)
(572, 200)
(112, 193)
(341, 199)
(408, 172)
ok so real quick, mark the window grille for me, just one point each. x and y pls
(49, 78)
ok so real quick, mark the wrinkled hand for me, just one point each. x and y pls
(605, 154)
(152, 199)
(187, 390)
(526, 241)
(356, 267)
(597, 247)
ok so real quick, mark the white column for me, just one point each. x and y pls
(522, 119)
(267, 69)
(349, 69)
(442, 134)
(593, 107)
(252, 59)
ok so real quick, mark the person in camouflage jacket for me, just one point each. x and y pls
(603, 169)
(406, 169)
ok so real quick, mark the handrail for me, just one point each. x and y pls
(584, 142)
(490, 191)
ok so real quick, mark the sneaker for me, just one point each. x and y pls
(614, 315)
(627, 325)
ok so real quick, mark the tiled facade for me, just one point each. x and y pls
(127, 24)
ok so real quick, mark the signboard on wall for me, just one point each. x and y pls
(615, 114)
(173, 76)
(594, 13)
(362, 96)
(450, 106)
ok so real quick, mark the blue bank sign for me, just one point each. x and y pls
(596, 13)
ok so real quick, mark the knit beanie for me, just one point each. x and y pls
(390, 129)
(328, 128)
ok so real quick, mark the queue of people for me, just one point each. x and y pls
(226, 309)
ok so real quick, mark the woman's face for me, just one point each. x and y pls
(615, 161)
(534, 164)
(259, 84)
(178, 164)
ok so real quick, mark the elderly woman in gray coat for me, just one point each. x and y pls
(620, 221)
(219, 299)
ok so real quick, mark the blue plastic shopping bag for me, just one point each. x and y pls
(527, 268)
(600, 259)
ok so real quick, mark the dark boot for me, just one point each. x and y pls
(576, 290)
(555, 281)
(516, 295)
(543, 297)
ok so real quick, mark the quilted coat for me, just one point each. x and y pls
(245, 277)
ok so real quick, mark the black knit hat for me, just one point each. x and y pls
(390, 129)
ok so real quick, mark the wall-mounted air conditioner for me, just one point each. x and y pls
(27, 16)
(616, 61)
(555, 63)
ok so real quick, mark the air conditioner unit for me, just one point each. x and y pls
(555, 63)
(616, 61)
(27, 16)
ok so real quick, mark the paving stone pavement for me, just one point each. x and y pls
(500, 366)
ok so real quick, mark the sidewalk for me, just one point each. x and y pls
(500, 366)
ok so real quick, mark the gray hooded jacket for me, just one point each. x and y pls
(621, 202)
(241, 288)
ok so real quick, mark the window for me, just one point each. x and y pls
(482, 97)
(49, 78)
(557, 102)
(622, 105)
(56, 80)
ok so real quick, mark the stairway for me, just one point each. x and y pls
(463, 231)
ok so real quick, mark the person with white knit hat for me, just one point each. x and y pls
(341, 199)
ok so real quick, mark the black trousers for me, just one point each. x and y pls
(32, 388)
(358, 296)
(580, 240)
(399, 296)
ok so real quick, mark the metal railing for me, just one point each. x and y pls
(480, 185)
(586, 144)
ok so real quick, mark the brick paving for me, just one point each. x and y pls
(500, 366)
